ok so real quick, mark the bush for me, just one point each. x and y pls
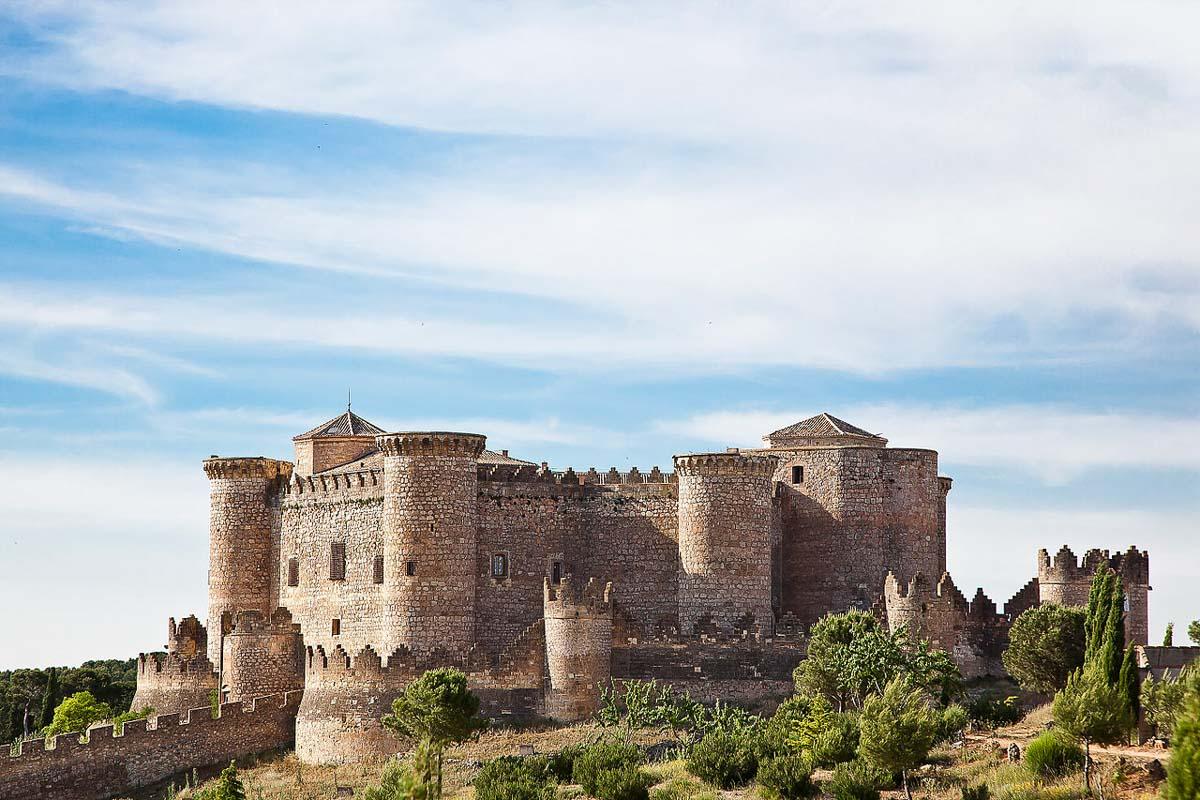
(953, 722)
(979, 792)
(599, 758)
(993, 711)
(838, 742)
(1053, 755)
(1046, 645)
(561, 765)
(787, 778)
(512, 778)
(724, 760)
(622, 783)
(857, 780)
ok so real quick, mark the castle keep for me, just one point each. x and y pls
(342, 575)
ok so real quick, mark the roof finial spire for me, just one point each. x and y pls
(347, 399)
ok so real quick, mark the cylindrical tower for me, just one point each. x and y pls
(725, 541)
(262, 656)
(430, 533)
(244, 507)
(578, 647)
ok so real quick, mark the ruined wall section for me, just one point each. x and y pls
(579, 637)
(725, 508)
(318, 512)
(431, 533)
(148, 751)
(244, 528)
(262, 656)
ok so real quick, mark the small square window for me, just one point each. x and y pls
(293, 571)
(797, 474)
(500, 565)
(555, 573)
(410, 568)
(379, 569)
(337, 627)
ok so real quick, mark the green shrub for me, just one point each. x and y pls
(979, 792)
(512, 778)
(1051, 755)
(724, 760)
(787, 778)
(600, 757)
(626, 782)
(561, 764)
(857, 780)
(953, 722)
(993, 711)
(837, 743)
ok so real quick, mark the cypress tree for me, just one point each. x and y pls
(50, 699)
(1112, 647)
(1099, 603)
(1130, 684)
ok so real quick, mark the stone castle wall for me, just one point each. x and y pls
(179, 679)
(147, 752)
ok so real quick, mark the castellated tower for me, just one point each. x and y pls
(262, 656)
(430, 535)
(181, 679)
(578, 646)
(1066, 581)
(725, 508)
(243, 539)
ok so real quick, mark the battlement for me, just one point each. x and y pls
(104, 763)
(250, 622)
(527, 473)
(570, 599)
(360, 481)
(918, 591)
(722, 464)
(1133, 566)
(217, 468)
(155, 665)
(402, 663)
(431, 443)
(1028, 597)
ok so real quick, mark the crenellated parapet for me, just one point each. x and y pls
(579, 639)
(182, 677)
(262, 655)
(432, 443)
(725, 464)
(1028, 597)
(1065, 580)
(217, 468)
(338, 482)
(973, 633)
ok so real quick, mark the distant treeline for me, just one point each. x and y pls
(28, 695)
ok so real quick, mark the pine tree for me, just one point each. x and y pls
(1183, 771)
(228, 785)
(1169, 636)
(50, 699)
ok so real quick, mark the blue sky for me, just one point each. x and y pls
(601, 235)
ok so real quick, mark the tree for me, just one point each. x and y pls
(1194, 631)
(851, 657)
(1090, 709)
(1105, 623)
(412, 779)
(77, 713)
(1169, 635)
(50, 699)
(228, 786)
(1183, 771)
(438, 708)
(1163, 699)
(897, 729)
(1046, 645)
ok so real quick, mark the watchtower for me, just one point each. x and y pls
(1064, 580)
(578, 646)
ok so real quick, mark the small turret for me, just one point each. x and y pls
(179, 679)
(262, 656)
(578, 646)
(1066, 581)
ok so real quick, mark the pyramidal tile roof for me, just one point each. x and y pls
(821, 429)
(345, 424)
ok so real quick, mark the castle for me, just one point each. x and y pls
(373, 556)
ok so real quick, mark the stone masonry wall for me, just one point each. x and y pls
(579, 638)
(431, 522)
(169, 683)
(243, 528)
(263, 656)
(914, 531)
(147, 752)
(725, 541)
(1064, 580)
(316, 513)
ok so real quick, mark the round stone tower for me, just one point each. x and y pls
(725, 504)
(242, 537)
(578, 646)
(1067, 582)
(262, 656)
(430, 535)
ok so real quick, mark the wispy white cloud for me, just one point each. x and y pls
(71, 372)
(1053, 443)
